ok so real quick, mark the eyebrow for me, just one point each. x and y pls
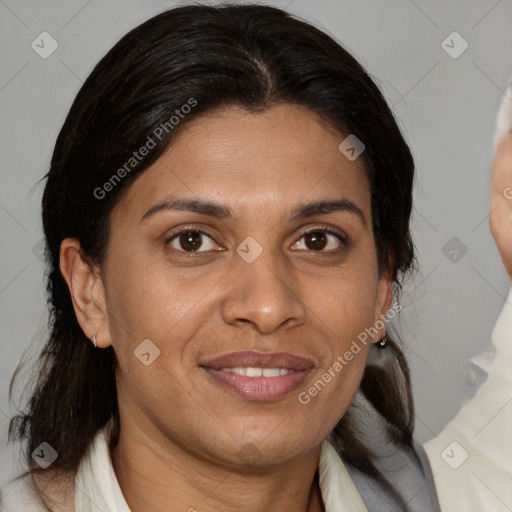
(220, 211)
(327, 206)
(191, 205)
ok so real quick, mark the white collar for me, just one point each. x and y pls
(97, 488)
(339, 492)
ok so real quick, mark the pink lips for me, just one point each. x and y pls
(259, 388)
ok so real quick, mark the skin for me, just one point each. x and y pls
(501, 201)
(182, 434)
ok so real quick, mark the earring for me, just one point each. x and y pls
(93, 339)
(383, 343)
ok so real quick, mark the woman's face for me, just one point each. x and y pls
(209, 260)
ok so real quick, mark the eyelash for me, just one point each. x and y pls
(344, 242)
(183, 231)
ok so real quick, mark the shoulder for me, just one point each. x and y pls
(21, 495)
(408, 472)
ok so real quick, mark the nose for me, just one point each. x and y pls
(264, 294)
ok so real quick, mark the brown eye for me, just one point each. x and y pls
(320, 240)
(316, 240)
(192, 241)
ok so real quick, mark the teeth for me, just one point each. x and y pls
(257, 372)
(253, 372)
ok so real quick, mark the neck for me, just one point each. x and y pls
(155, 473)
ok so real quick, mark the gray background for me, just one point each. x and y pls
(446, 107)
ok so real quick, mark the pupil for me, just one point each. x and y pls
(190, 241)
(316, 240)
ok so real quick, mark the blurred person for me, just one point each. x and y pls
(478, 441)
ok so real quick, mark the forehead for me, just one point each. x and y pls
(269, 161)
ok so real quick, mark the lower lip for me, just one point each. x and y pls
(259, 388)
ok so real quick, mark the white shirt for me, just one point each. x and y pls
(471, 458)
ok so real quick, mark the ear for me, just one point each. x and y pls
(382, 303)
(86, 290)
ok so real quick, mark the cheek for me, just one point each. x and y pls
(346, 321)
(140, 305)
(344, 301)
(143, 298)
(344, 307)
(153, 301)
(329, 395)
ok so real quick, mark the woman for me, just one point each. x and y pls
(227, 225)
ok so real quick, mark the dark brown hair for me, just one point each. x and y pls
(250, 56)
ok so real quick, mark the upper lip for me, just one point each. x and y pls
(254, 359)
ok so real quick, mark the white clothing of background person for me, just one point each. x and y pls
(471, 458)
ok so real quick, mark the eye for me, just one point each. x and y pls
(192, 240)
(320, 240)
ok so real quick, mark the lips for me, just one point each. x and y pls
(258, 376)
(259, 360)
